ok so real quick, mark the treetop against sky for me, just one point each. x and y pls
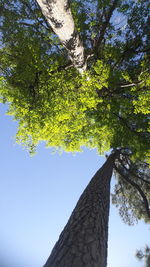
(77, 75)
(48, 97)
(106, 107)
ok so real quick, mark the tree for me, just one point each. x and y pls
(47, 94)
(83, 242)
(144, 254)
(72, 93)
(58, 15)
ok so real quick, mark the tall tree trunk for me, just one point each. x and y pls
(58, 15)
(83, 242)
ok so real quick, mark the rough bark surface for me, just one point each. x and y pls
(83, 242)
(58, 15)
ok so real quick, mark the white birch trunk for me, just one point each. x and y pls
(59, 17)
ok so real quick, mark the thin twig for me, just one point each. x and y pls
(105, 24)
(135, 175)
(131, 84)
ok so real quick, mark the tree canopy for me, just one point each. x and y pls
(132, 190)
(106, 107)
(52, 102)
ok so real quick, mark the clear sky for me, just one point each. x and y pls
(37, 196)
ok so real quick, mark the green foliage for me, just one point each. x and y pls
(126, 196)
(57, 109)
(142, 103)
(144, 254)
(106, 108)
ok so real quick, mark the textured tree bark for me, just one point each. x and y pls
(83, 242)
(59, 17)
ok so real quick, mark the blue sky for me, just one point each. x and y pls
(37, 196)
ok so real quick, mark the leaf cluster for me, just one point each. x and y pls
(132, 191)
(106, 108)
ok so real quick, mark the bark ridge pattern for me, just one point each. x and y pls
(83, 242)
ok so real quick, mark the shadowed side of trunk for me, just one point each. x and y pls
(83, 242)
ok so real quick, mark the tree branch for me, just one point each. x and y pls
(64, 67)
(105, 24)
(39, 21)
(145, 200)
(131, 84)
(132, 173)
